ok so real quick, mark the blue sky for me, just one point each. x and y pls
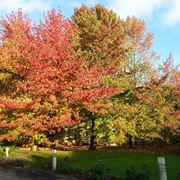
(162, 16)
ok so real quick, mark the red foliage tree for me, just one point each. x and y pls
(50, 74)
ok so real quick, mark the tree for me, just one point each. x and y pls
(155, 99)
(51, 76)
(125, 44)
(102, 37)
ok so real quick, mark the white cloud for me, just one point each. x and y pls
(167, 11)
(172, 15)
(27, 5)
(138, 8)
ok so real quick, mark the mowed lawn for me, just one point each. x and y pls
(118, 161)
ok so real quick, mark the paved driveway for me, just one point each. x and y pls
(27, 174)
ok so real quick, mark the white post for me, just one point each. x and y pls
(162, 168)
(7, 152)
(54, 159)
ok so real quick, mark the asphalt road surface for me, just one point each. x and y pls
(29, 174)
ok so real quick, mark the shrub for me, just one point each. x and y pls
(133, 174)
(178, 176)
(64, 166)
(99, 172)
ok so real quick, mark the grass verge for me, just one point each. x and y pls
(118, 161)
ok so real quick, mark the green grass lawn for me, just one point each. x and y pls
(118, 161)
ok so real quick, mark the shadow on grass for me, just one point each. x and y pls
(119, 161)
(39, 160)
(36, 165)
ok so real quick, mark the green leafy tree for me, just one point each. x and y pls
(105, 39)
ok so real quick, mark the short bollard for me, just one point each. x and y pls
(7, 152)
(162, 168)
(54, 160)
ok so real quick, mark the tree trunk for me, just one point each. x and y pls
(93, 135)
(34, 147)
(130, 140)
(78, 136)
